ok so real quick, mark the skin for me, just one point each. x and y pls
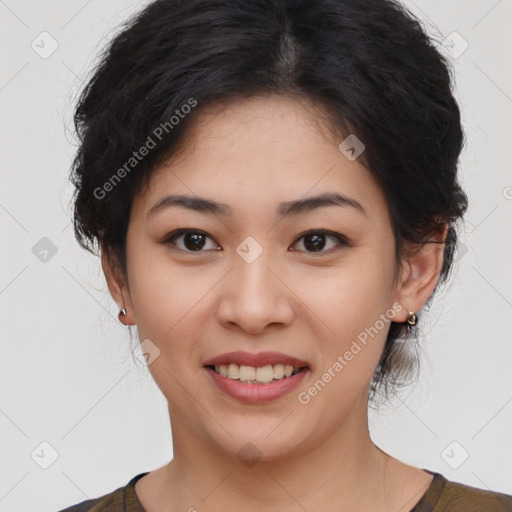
(252, 155)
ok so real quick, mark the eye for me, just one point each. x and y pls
(192, 240)
(315, 241)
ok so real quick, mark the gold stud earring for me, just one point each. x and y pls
(411, 320)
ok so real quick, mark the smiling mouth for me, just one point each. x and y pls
(257, 374)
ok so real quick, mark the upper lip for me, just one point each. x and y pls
(259, 359)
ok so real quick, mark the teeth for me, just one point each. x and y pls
(253, 374)
(233, 371)
(265, 373)
(247, 373)
(279, 371)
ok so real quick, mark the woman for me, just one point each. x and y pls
(273, 189)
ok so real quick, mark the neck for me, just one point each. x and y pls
(344, 468)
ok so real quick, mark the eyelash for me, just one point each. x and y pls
(342, 241)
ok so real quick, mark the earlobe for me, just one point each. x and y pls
(118, 289)
(420, 274)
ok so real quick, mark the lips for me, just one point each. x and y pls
(259, 359)
(256, 393)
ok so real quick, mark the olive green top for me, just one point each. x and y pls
(441, 496)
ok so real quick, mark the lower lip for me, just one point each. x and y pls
(257, 393)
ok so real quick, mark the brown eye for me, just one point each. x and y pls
(317, 241)
(189, 240)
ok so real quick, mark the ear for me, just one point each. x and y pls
(117, 286)
(420, 274)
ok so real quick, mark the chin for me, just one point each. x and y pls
(261, 443)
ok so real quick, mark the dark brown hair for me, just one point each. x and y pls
(367, 63)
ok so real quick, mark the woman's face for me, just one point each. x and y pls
(252, 278)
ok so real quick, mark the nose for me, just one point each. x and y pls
(254, 297)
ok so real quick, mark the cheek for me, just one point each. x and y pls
(163, 296)
(350, 343)
(350, 302)
(166, 301)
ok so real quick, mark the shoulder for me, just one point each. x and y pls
(112, 501)
(122, 499)
(458, 497)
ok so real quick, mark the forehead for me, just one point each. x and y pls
(259, 152)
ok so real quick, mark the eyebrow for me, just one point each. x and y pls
(287, 208)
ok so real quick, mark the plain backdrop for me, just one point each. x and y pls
(78, 418)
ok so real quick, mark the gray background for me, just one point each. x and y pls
(67, 375)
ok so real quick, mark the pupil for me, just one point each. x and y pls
(317, 242)
(196, 238)
(195, 241)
